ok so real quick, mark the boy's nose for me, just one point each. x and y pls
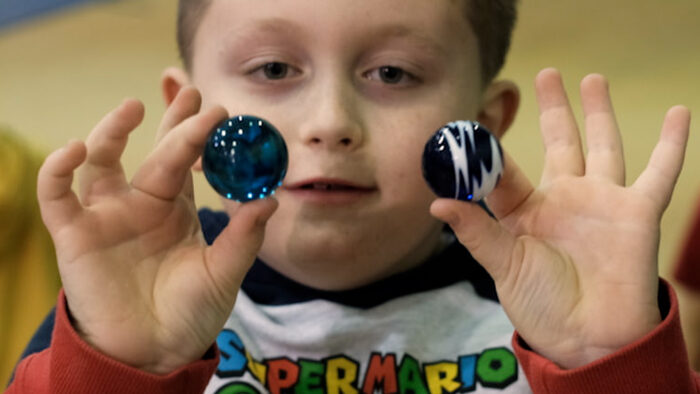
(332, 120)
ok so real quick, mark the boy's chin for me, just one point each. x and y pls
(342, 261)
(339, 250)
(335, 273)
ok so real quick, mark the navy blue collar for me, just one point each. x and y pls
(266, 286)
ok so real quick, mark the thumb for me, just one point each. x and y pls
(235, 249)
(485, 238)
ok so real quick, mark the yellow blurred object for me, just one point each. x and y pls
(29, 280)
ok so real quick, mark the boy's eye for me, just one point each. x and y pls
(275, 70)
(390, 75)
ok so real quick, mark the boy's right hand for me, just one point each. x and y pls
(142, 285)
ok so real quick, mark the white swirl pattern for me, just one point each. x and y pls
(480, 181)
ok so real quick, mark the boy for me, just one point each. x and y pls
(357, 288)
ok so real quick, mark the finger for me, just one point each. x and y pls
(187, 103)
(659, 177)
(165, 172)
(605, 157)
(234, 250)
(103, 172)
(512, 190)
(490, 244)
(58, 203)
(562, 143)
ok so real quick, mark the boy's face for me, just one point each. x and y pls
(356, 87)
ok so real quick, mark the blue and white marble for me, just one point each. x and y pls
(463, 160)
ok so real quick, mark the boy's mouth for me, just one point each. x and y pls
(326, 186)
(329, 191)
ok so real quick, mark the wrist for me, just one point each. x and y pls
(139, 355)
(589, 350)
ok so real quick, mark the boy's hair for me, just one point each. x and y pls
(491, 20)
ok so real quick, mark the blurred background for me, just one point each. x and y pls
(65, 63)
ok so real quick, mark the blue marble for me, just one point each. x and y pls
(463, 161)
(245, 158)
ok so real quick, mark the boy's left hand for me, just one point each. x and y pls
(575, 260)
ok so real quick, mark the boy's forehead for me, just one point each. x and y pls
(426, 22)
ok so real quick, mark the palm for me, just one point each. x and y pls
(583, 287)
(133, 286)
(575, 261)
(126, 250)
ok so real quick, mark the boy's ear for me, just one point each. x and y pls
(172, 80)
(500, 104)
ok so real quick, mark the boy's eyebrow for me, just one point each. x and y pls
(272, 26)
(434, 47)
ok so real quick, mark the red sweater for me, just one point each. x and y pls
(656, 363)
(687, 269)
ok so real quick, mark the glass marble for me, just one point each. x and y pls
(463, 161)
(245, 158)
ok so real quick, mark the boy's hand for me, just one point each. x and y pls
(141, 283)
(575, 260)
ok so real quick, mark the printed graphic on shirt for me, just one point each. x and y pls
(493, 368)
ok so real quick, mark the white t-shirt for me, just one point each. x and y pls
(435, 329)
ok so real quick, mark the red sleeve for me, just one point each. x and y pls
(687, 268)
(72, 366)
(656, 363)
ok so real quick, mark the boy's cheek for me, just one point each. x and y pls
(406, 185)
